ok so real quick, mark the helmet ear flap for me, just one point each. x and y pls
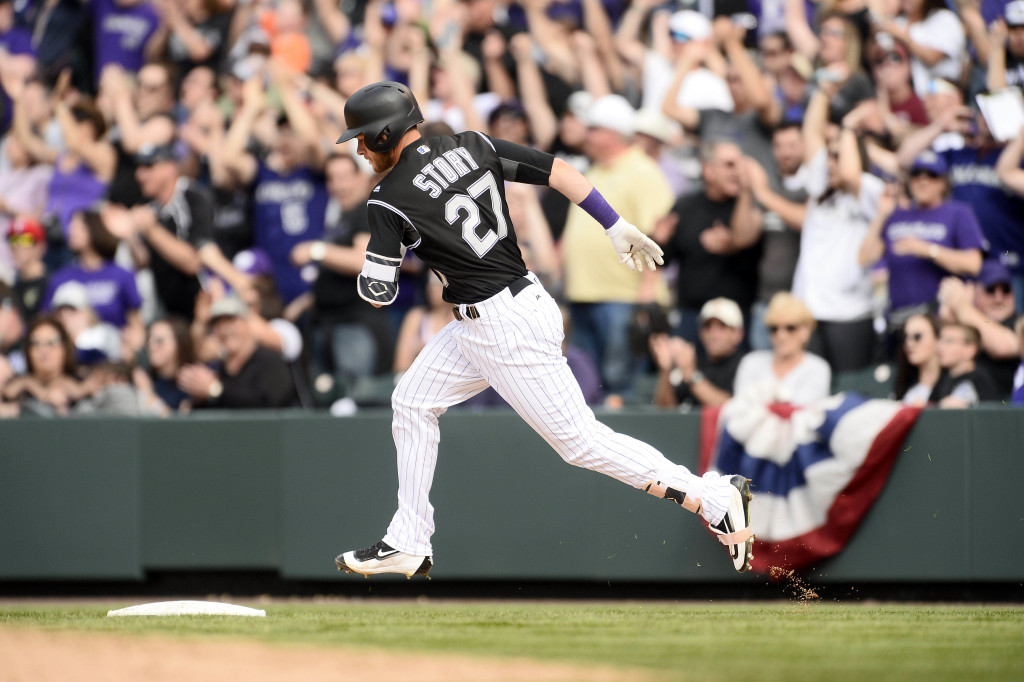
(382, 138)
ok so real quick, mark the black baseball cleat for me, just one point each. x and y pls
(382, 558)
(734, 529)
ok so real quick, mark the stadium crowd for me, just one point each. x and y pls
(833, 183)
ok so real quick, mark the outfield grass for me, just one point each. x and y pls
(792, 641)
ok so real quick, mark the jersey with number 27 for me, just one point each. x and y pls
(445, 198)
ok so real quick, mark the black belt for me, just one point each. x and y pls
(472, 313)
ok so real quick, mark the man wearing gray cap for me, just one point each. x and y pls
(249, 376)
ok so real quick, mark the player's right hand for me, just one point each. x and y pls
(635, 249)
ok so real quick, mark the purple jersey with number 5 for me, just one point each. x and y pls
(288, 208)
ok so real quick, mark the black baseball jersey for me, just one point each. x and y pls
(446, 198)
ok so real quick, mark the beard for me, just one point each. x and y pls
(383, 162)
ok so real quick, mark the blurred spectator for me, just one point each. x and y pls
(81, 173)
(109, 391)
(686, 379)
(49, 387)
(921, 244)
(793, 88)
(289, 194)
(838, 51)
(111, 290)
(987, 305)
(483, 19)
(1009, 168)
(934, 36)
(204, 133)
(27, 242)
(198, 88)
(16, 47)
(962, 383)
(36, 100)
(125, 33)
(285, 24)
(12, 332)
(974, 180)
(141, 114)
(507, 121)
(168, 349)
(452, 82)
(775, 52)
(420, 325)
(1010, 171)
(173, 235)
(656, 134)
(95, 341)
(1017, 398)
(249, 376)
(901, 109)
(701, 235)
(268, 316)
(754, 113)
(23, 183)
(59, 28)
(197, 32)
(349, 338)
(917, 360)
(680, 44)
(1007, 46)
(601, 293)
(788, 373)
(843, 200)
(534, 235)
(784, 203)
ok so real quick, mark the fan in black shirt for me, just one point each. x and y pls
(962, 383)
(250, 376)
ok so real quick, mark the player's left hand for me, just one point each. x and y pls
(635, 249)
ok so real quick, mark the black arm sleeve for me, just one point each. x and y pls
(523, 164)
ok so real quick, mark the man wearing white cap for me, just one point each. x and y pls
(685, 379)
(655, 133)
(601, 292)
(670, 34)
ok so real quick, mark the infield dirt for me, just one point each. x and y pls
(33, 656)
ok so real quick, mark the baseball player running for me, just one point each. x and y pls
(445, 197)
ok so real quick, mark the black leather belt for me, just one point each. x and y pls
(472, 313)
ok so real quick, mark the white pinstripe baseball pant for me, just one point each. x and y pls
(516, 347)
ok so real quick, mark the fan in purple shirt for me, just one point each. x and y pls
(122, 30)
(920, 245)
(111, 289)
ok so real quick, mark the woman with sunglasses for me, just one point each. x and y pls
(917, 360)
(932, 238)
(787, 373)
(50, 386)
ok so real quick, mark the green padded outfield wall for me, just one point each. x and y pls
(88, 499)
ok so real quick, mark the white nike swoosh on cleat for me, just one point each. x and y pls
(385, 555)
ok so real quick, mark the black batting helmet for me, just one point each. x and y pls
(382, 112)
